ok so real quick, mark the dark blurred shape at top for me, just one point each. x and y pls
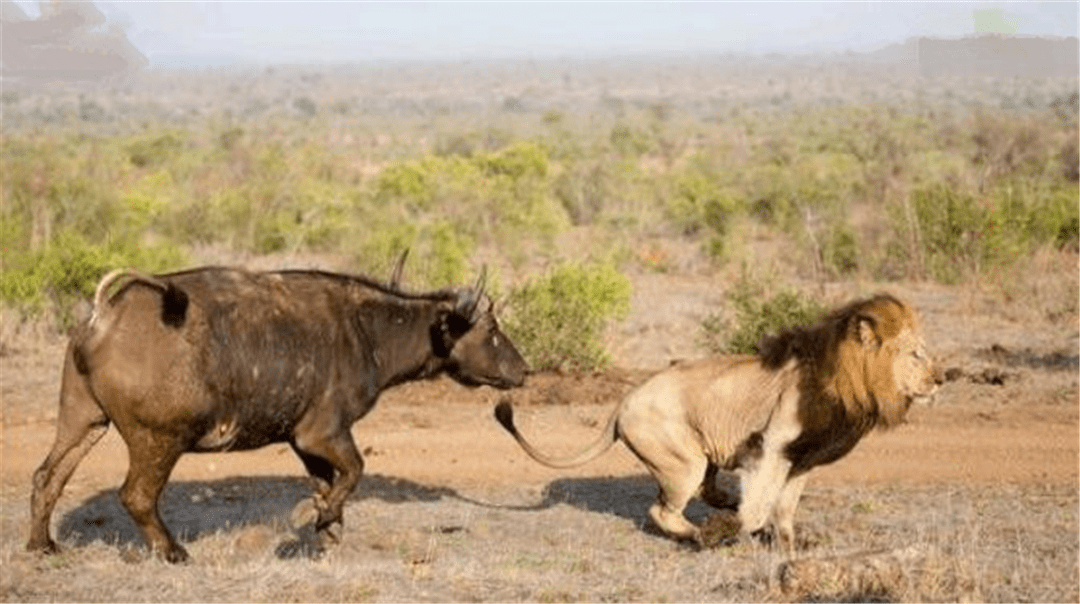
(69, 41)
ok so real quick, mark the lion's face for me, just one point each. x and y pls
(897, 368)
(912, 369)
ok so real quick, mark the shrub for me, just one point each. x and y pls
(558, 320)
(956, 234)
(629, 140)
(376, 250)
(442, 255)
(408, 182)
(154, 150)
(516, 161)
(69, 268)
(756, 315)
(840, 252)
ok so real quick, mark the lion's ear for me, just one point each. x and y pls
(867, 335)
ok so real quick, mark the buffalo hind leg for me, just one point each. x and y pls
(339, 453)
(80, 425)
(152, 459)
(51, 477)
(320, 470)
(322, 478)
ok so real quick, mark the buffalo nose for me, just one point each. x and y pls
(514, 376)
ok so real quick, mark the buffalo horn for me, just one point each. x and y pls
(474, 295)
(395, 277)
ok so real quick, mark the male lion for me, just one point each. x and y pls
(805, 400)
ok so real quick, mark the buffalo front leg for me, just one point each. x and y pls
(80, 425)
(152, 458)
(320, 470)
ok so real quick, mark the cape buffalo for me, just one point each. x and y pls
(222, 359)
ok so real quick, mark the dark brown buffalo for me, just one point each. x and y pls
(218, 359)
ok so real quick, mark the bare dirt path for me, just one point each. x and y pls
(1008, 414)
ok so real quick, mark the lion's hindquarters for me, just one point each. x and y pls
(670, 425)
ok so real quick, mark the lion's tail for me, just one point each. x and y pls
(504, 412)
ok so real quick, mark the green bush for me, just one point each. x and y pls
(69, 268)
(558, 320)
(627, 139)
(152, 151)
(375, 251)
(840, 251)
(757, 315)
(441, 254)
(516, 161)
(956, 234)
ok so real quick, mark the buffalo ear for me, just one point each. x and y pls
(449, 326)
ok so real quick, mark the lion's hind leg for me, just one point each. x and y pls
(678, 474)
(667, 514)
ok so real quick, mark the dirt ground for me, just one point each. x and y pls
(451, 509)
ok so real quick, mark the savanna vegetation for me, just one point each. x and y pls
(938, 184)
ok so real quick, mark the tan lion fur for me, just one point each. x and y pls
(805, 400)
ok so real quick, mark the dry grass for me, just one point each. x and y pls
(581, 543)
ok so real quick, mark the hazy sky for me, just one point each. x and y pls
(195, 34)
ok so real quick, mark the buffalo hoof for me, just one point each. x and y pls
(47, 547)
(331, 533)
(174, 554)
(177, 555)
(307, 546)
(305, 513)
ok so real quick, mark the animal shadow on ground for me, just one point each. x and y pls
(194, 509)
(626, 497)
